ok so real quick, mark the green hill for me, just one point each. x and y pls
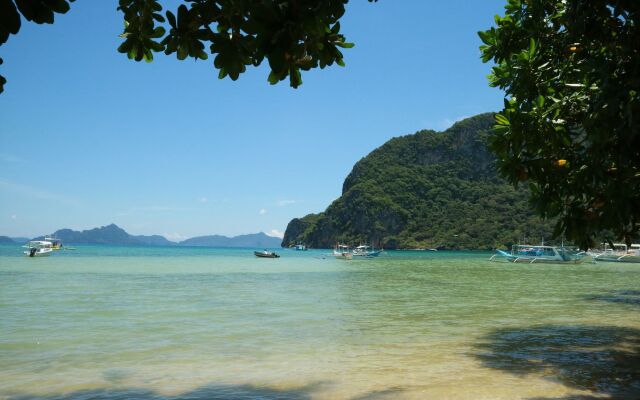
(429, 189)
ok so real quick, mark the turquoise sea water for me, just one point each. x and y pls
(195, 323)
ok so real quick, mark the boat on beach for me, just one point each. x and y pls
(38, 248)
(266, 254)
(619, 253)
(542, 254)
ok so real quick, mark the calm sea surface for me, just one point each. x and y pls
(189, 323)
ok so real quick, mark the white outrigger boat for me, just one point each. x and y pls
(542, 254)
(366, 251)
(619, 253)
(342, 252)
(38, 248)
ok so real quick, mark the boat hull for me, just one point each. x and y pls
(39, 253)
(525, 259)
(367, 253)
(622, 259)
(343, 256)
(261, 254)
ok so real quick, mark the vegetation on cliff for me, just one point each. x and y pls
(429, 189)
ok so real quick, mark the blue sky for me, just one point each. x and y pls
(88, 137)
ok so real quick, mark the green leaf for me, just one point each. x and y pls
(158, 32)
(172, 20)
(532, 48)
(345, 45)
(273, 78)
(502, 120)
(9, 19)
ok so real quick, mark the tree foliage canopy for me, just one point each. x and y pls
(293, 35)
(571, 118)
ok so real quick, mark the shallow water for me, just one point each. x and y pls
(190, 323)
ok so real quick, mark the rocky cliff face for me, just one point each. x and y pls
(429, 189)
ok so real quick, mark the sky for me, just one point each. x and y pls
(89, 138)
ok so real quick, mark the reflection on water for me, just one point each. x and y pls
(163, 323)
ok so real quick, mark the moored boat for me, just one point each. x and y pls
(542, 254)
(619, 253)
(342, 252)
(300, 247)
(38, 248)
(266, 254)
(366, 251)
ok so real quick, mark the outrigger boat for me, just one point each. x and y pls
(542, 254)
(266, 254)
(366, 251)
(38, 248)
(342, 252)
(619, 253)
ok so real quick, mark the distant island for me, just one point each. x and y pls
(426, 190)
(6, 240)
(114, 235)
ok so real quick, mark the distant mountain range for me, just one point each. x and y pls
(252, 240)
(114, 235)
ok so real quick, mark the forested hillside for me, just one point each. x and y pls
(429, 189)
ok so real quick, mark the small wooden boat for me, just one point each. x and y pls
(266, 254)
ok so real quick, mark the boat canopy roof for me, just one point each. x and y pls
(528, 246)
(39, 243)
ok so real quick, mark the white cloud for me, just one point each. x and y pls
(203, 200)
(276, 233)
(262, 211)
(447, 123)
(283, 203)
(442, 124)
(174, 236)
(13, 216)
